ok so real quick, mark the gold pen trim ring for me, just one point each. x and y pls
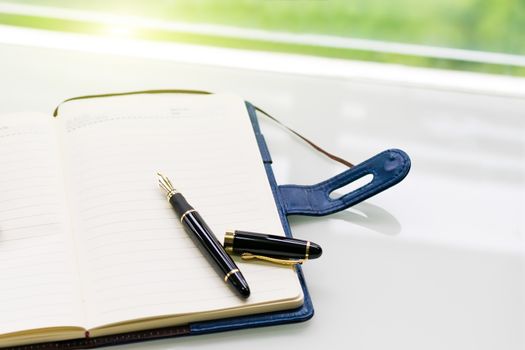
(186, 213)
(307, 250)
(228, 241)
(171, 193)
(229, 274)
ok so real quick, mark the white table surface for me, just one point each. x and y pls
(436, 262)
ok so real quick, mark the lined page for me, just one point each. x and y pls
(137, 258)
(38, 275)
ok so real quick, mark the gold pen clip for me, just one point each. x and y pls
(250, 256)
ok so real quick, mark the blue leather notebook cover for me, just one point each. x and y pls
(388, 168)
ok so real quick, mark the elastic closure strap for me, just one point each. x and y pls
(387, 168)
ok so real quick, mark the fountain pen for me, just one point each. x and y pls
(200, 231)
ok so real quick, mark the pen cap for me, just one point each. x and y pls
(239, 242)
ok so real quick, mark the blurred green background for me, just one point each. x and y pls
(486, 25)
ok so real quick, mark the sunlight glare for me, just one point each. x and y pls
(120, 30)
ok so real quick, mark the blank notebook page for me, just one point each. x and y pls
(38, 272)
(136, 259)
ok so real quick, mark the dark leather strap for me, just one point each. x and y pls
(387, 168)
(182, 91)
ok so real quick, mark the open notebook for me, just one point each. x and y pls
(88, 243)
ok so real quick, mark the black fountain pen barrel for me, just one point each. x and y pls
(274, 246)
(179, 203)
(206, 239)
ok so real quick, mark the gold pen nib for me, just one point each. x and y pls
(166, 185)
